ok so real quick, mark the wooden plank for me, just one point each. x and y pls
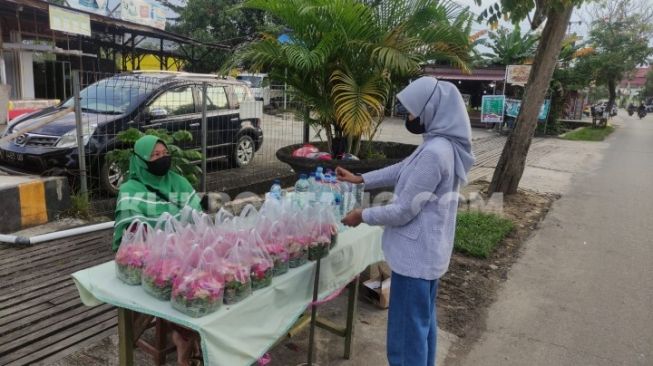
(88, 342)
(62, 275)
(72, 252)
(60, 282)
(76, 347)
(63, 339)
(45, 298)
(69, 316)
(9, 326)
(43, 307)
(94, 241)
(80, 263)
(10, 252)
(35, 285)
(50, 326)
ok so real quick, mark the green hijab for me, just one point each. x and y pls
(145, 196)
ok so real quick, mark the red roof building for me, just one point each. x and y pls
(637, 79)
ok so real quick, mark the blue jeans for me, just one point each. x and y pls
(412, 321)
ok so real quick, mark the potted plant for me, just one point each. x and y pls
(342, 59)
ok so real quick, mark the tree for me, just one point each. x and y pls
(344, 55)
(217, 21)
(647, 91)
(620, 38)
(567, 77)
(510, 47)
(557, 14)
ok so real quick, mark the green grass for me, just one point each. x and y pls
(80, 206)
(589, 134)
(478, 233)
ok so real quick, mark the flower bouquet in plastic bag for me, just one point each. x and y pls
(275, 246)
(131, 254)
(261, 264)
(330, 227)
(237, 274)
(162, 266)
(320, 238)
(297, 242)
(199, 290)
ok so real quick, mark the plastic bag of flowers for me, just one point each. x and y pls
(261, 263)
(237, 274)
(131, 254)
(199, 289)
(320, 234)
(275, 245)
(330, 227)
(297, 242)
(161, 268)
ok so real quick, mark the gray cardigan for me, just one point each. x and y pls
(420, 221)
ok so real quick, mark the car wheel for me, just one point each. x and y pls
(111, 177)
(244, 151)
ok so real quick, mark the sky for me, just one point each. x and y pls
(579, 22)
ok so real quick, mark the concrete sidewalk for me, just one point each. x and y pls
(582, 293)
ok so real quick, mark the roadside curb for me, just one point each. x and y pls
(32, 203)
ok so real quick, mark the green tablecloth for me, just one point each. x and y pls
(240, 334)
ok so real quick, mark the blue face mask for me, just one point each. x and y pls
(415, 126)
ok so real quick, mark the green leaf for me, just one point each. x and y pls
(182, 136)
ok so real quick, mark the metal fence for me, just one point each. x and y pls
(237, 136)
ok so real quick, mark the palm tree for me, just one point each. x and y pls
(511, 47)
(344, 55)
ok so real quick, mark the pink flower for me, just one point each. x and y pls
(132, 255)
(260, 267)
(236, 272)
(162, 271)
(278, 251)
(198, 284)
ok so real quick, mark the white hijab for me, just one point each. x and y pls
(442, 111)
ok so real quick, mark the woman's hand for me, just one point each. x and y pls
(345, 175)
(353, 218)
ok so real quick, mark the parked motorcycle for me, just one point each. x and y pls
(641, 113)
(631, 111)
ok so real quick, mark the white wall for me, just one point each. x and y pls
(27, 75)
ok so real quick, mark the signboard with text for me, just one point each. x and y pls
(145, 12)
(492, 108)
(514, 105)
(518, 74)
(69, 21)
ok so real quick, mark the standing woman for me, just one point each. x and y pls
(420, 222)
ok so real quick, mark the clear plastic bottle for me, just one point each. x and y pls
(302, 188)
(316, 191)
(319, 173)
(327, 195)
(275, 191)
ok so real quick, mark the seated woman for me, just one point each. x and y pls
(151, 190)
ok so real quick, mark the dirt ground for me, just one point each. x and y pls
(470, 285)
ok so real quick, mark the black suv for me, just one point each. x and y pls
(143, 100)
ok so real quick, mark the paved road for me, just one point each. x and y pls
(582, 294)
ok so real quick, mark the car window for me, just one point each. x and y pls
(175, 102)
(254, 81)
(216, 98)
(114, 95)
(242, 93)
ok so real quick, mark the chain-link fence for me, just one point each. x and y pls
(219, 135)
